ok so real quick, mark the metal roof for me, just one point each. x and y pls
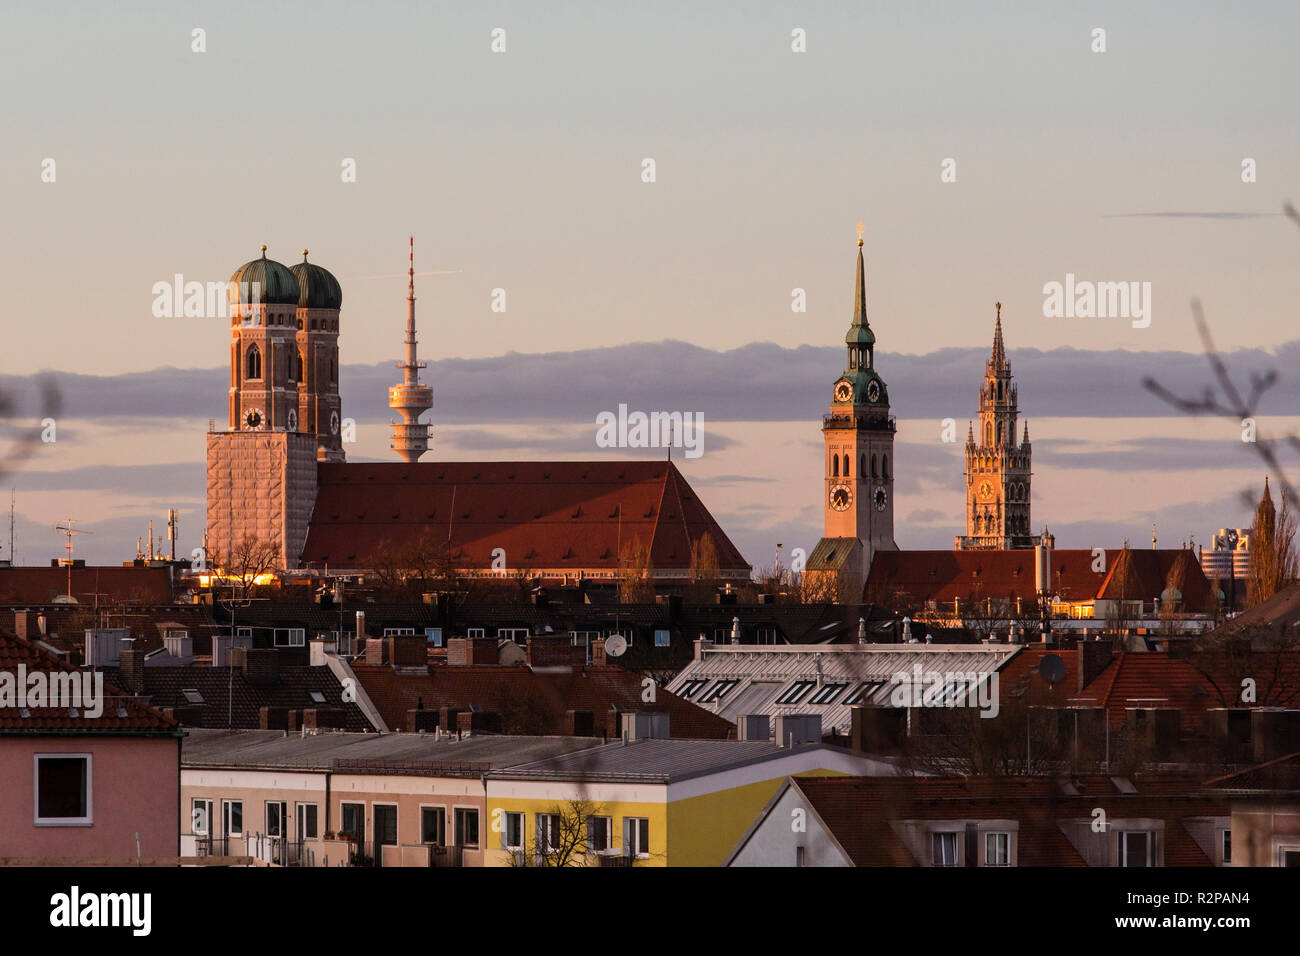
(369, 753)
(766, 673)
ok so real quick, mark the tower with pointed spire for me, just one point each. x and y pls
(997, 468)
(409, 398)
(858, 466)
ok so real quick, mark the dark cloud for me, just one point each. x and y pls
(757, 382)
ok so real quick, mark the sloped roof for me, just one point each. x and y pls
(911, 578)
(530, 700)
(122, 714)
(858, 812)
(113, 584)
(764, 673)
(544, 514)
(1276, 776)
(230, 701)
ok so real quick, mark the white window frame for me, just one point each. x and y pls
(632, 837)
(475, 632)
(1225, 846)
(547, 826)
(957, 839)
(225, 818)
(512, 633)
(266, 816)
(83, 821)
(361, 835)
(294, 637)
(591, 832)
(521, 819)
(1121, 848)
(988, 857)
(298, 820)
(399, 632)
(206, 829)
(433, 635)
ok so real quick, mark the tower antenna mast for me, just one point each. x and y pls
(68, 530)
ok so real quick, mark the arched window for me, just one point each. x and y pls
(846, 466)
(884, 466)
(862, 465)
(835, 466)
(299, 367)
(874, 472)
(333, 371)
(988, 434)
(253, 364)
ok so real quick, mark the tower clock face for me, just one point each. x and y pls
(843, 391)
(873, 391)
(254, 418)
(881, 499)
(334, 423)
(841, 497)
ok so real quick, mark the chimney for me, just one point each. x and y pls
(448, 719)
(469, 651)
(179, 645)
(795, 729)
(702, 645)
(316, 718)
(579, 723)
(130, 663)
(643, 725)
(273, 718)
(321, 650)
(422, 721)
(223, 648)
(555, 652)
(262, 666)
(1094, 657)
(478, 721)
(21, 623)
(376, 651)
(408, 650)
(753, 727)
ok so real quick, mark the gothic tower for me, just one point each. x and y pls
(858, 465)
(997, 469)
(409, 398)
(316, 364)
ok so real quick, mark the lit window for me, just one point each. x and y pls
(433, 635)
(662, 638)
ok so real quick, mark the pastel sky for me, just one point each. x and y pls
(522, 171)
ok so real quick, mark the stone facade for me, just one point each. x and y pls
(261, 485)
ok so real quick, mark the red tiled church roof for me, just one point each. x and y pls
(554, 515)
(911, 578)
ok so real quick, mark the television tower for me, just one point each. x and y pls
(409, 398)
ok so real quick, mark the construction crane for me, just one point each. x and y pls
(67, 529)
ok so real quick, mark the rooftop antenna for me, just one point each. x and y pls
(67, 529)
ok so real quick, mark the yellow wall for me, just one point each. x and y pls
(703, 830)
(530, 807)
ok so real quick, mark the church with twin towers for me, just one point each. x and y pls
(278, 477)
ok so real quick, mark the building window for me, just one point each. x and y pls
(864, 692)
(690, 689)
(599, 833)
(846, 466)
(290, 637)
(63, 790)
(1135, 847)
(662, 638)
(548, 833)
(399, 631)
(200, 816)
(943, 849)
(862, 465)
(275, 818)
(718, 691)
(796, 692)
(517, 634)
(512, 834)
(434, 636)
(997, 849)
(232, 817)
(474, 632)
(828, 694)
(253, 364)
(466, 827)
(800, 856)
(307, 821)
(884, 466)
(1227, 847)
(433, 825)
(353, 820)
(765, 635)
(636, 836)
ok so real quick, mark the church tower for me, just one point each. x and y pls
(858, 433)
(997, 469)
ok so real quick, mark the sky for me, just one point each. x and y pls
(522, 171)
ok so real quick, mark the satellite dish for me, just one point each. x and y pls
(1051, 668)
(615, 645)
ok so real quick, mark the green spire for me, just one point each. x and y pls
(860, 332)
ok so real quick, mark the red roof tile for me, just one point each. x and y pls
(121, 714)
(543, 514)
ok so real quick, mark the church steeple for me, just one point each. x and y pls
(860, 340)
(998, 360)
